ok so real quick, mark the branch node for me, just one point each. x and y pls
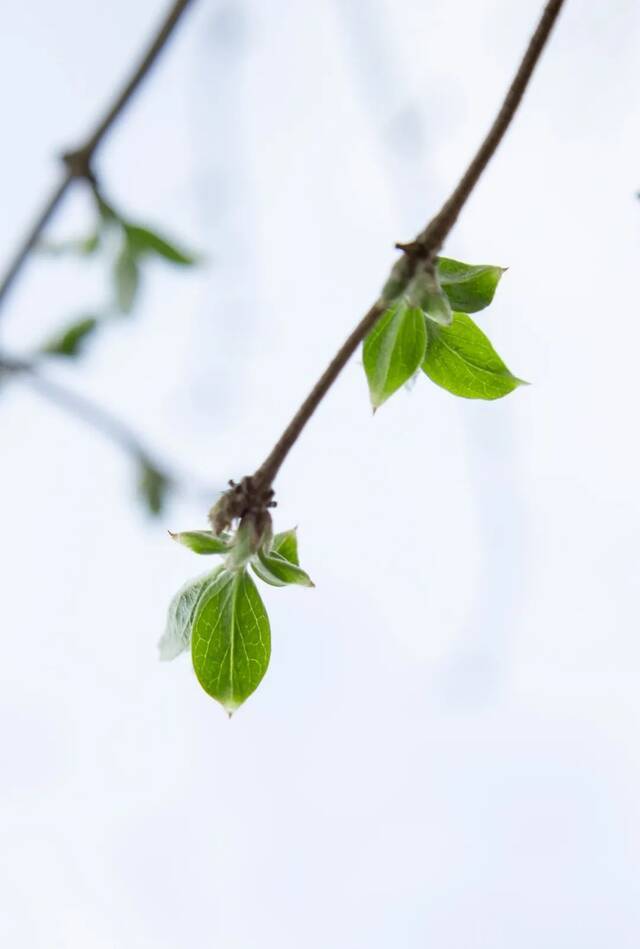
(78, 165)
(250, 499)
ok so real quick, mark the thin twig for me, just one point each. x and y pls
(78, 161)
(103, 421)
(425, 246)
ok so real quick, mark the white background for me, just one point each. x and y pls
(446, 749)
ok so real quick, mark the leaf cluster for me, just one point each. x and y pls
(220, 615)
(427, 327)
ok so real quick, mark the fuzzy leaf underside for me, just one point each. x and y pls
(177, 634)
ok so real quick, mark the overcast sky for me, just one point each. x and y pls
(445, 750)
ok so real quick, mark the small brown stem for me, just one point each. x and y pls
(269, 468)
(436, 231)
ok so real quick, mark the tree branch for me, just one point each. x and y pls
(103, 421)
(425, 247)
(78, 162)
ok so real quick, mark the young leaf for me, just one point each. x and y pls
(275, 570)
(70, 340)
(469, 287)
(153, 486)
(246, 542)
(393, 350)
(437, 308)
(231, 641)
(425, 292)
(461, 359)
(126, 276)
(144, 241)
(202, 542)
(177, 634)
(286, 544)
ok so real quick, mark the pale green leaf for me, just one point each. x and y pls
(425, 292)
(231, 640)
(177, 634)
(461, 359)
(126, 277)
(393, 350)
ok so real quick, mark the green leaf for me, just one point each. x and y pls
(470, 287)
(461, 359)
(202, 542)
(275, 570)
(231, 641)
(126, 276)
(177, 634)
(144, 241)
(286, 544)
(71, 339)
(153, 486)
(393, 350)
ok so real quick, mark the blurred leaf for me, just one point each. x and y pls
(177, 634)
(393, 350)
(469, 287)
(84, 246)
(286, 544)
(144, 241)
(70, 341)
(153, 486)
(231, 640)
(126, 275)
(461, 359)
(275, 570)
(202, 542)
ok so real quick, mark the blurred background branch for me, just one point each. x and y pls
(135, 242)
(78, 161)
